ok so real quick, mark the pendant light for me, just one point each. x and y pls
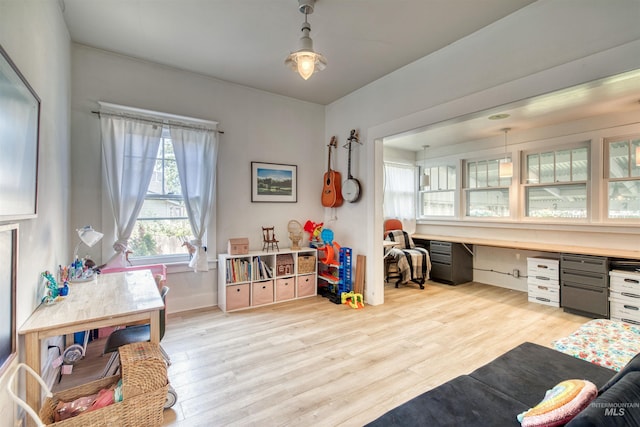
(505, 169)
(425, 180)
(305, 61)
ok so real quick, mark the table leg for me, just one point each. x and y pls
(32, 352)
(155, 327)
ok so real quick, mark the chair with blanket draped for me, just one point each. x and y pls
(413, 262)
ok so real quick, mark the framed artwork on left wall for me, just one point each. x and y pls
(19, 140)
(273, 182)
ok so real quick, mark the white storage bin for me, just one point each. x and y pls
(624, 281)
(545, 267)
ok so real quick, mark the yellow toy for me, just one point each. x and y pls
(353, 299)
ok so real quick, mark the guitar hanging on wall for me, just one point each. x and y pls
(351, 187)
(331, 191)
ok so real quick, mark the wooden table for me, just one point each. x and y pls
(110, 300)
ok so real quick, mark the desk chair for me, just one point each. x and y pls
(132, 334)
(411, 263)
(390, 263)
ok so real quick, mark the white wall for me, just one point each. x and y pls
(36, 38)
(258, 126)
(543, 47)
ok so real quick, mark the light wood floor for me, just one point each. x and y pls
(314, 363)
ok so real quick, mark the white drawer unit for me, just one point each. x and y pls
(624, 296)
(543, 267)
(624, 282)
(543, 281)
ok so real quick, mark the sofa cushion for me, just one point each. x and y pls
(619, 406)
(560, 404)
(528, 370)
(632, 366)
(463, 401)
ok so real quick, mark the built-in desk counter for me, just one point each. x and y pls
(532, 246)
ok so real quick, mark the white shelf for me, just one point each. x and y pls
(255, 279)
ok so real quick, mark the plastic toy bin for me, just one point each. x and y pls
(144, 390)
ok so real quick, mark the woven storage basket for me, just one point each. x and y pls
(306, 264)
(144, 390)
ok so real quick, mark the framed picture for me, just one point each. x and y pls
(271, 182)
(19, 138)
(8, 267)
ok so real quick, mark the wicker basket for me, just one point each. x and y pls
(306, 264)
(144, 390)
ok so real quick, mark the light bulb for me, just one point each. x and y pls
(306, 65)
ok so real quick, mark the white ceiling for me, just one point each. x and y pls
(246, 41)
(615, 94)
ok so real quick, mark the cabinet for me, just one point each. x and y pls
(261, 278)
(624, 296)
(543, 281)
(450, 262)
(584, 286)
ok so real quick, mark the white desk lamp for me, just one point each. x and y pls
(88, 236)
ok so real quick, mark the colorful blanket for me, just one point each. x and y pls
(413, 262)
(608, 343)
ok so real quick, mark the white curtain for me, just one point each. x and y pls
(129, 149)
(196, 155)
(400, 195)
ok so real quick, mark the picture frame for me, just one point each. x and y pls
(19, 143)
(274, 182)
(8, 278)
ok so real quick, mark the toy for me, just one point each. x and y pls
(354, 300)
(327, 252)
(191, 249)
(51, 288)
(314, 231)
(295, 233)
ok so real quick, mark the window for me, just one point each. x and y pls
(162, 225)
(622, 176)
(399, 191)
(487, 194)
(438, 199)
(556, 183)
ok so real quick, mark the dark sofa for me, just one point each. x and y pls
(494, 394)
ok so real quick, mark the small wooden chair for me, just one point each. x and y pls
(269, 239)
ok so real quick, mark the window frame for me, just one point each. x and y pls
(525, 185)
(161, 258)
(467, 189)
(606, 172)
(453, 165)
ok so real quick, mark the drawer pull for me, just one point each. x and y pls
(630, 307)
(542, 266)
(627, 294)
(542, 278)
(632, 281)
(544, 288)
(543, 299)
(635, 322)
(238, 290)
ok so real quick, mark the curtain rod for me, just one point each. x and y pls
(156, 121)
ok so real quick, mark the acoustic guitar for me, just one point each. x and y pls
(331, 191)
